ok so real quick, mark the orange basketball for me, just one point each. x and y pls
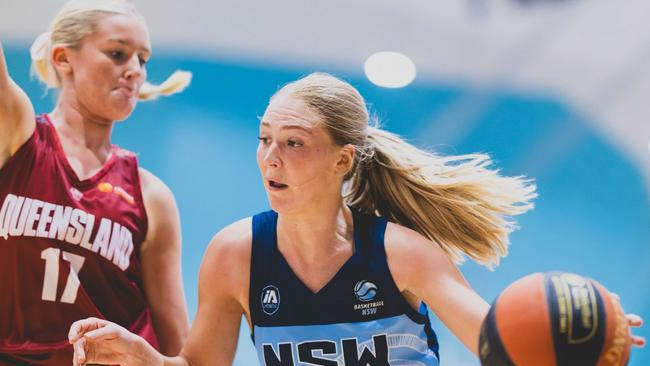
(556, 318)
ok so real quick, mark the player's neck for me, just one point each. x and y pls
(312, 235)
(80, 130)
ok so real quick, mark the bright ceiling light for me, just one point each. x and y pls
(390, 69)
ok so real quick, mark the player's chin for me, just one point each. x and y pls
(122, 109)
(279, 204)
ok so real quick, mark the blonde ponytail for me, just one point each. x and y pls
(175, 83)
(41, 66)
(458, 202)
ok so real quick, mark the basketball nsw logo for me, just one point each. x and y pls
(270, 300)
(365, 290)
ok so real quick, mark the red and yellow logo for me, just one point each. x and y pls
(108, 188)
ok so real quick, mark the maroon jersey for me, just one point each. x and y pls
(69, 249)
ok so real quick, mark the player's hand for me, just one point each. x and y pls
(633, 320)
(99, 341)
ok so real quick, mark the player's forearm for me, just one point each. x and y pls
(142, 353)
(175, 361)
(3, 66)
(5, 79)
(14, 103)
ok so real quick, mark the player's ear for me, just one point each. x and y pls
(346, 159)
(61, 59)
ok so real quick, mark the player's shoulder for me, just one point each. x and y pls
(227, 260)
(232, 243)
(150, 180)
(409, 250)
(403, 238)
(154, 191)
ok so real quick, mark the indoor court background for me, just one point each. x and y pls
(558, 91)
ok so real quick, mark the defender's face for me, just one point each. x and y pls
(108, 68)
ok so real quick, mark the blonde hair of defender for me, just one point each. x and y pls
(456, 201)
(78, 19)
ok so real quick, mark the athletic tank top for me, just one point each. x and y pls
(69, 249)
(358, 318)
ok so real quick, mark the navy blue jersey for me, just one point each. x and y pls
(358, 318)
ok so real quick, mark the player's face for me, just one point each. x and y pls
(296, 157)
(108, 68)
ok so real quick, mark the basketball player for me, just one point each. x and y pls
(84, 231)
(321, 279)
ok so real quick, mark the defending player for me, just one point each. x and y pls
(84, 231)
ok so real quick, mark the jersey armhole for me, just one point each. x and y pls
(257, 224)
(139, 197)
(30, 142)
(419, 315)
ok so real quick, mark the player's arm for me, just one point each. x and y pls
(16, 114)
(223, 288)
(423, 269)
(223, 293)
(161, 265)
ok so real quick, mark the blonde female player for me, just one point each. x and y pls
(84, 231)
(323, 280)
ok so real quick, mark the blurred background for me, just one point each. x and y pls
(553, 90)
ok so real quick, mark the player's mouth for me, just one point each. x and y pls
(276, 186)
(127, 91)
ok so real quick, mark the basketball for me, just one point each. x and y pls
(554, 318)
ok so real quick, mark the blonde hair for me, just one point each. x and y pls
(77, 20)
(458, 202)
